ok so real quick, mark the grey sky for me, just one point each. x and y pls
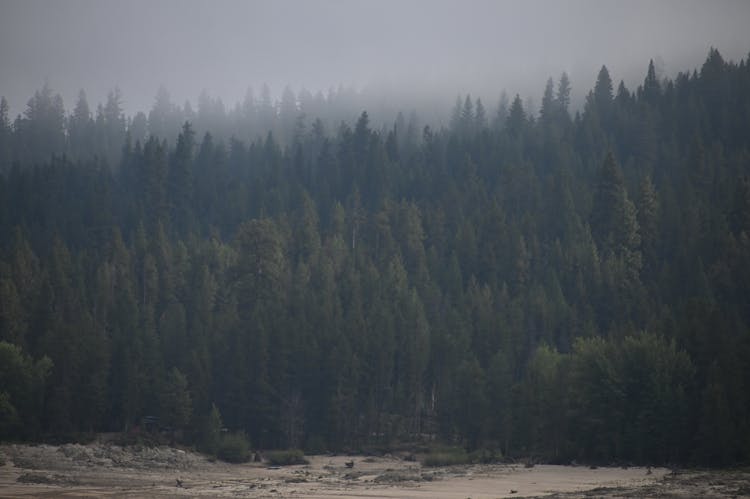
(431, 47)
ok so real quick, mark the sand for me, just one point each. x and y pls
(103, 470)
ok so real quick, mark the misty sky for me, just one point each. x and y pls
(433, 47)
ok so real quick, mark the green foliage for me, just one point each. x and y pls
(471, 409)
(234, 448)
(716, 436)
(22, 386)
(485, 456)
(288, 457)
(543, 403)
(613, 222)
(260, 264)
(211, 437)
(555, 287)
(639, 384)
(175, 403)
(315, 445)
(603, 90)
(446, 456)
(9, 421)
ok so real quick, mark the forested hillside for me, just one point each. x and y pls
(554, 284)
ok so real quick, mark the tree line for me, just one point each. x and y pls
(544, 284)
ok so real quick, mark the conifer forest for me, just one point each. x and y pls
(563, 282)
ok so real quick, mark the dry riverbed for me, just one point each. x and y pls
(105, 470)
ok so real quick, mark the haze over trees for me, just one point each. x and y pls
(546, 284)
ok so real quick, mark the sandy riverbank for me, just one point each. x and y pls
(103, 470)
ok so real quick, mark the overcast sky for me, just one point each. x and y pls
(428, 46)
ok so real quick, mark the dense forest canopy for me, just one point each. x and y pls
(558, 285)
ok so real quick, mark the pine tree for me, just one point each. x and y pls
(81, 129)
(613, 217)
(648, 220)
(288, 113)
(176, 407)
(13, 326)
(467, 116)
(180, 181)
(153, 172)
(548, 111)
(211, 438)
(5, 137)
(563, 94)
(480, 116)
(455, 120)
(739, 215)
(114, 127)
(516, 117)
(161, 115)
(22, 387)
(651, 86)
(42, 129)
(260, 265)
(501, 115)
(603, 90)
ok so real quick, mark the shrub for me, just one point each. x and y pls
(286, 457)
(447, 456)
(234, 448)
(315, 445)
(485, 456)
